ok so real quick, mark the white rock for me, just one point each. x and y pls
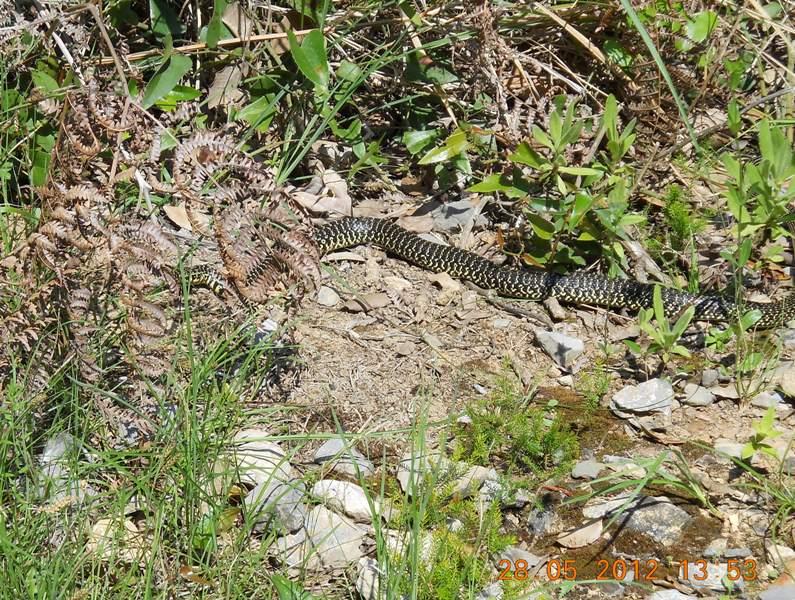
(696, 395)
(326, 296)
(328, 540)
(562, 348)
(346, 459)
(653, 396)
(368, 582)
(345, 497)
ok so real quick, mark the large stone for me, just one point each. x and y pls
(276, 505)
(345, 497)
(344, 458)
(562, 348)
(328, 540)
(653, 396)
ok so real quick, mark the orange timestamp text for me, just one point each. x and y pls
(620, 569)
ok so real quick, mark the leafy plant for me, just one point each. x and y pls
(664, 336)
(759, 195)
(583, 204)
(764, 431)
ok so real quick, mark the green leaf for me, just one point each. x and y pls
(525, 155)
(634, 347)
(289, 590)
(416, 141)
(541, 136)
(734, 119)
(310, 57)
(180, 93)
(682, 322)
(45, 81)
(617, 54)
(543, 228)
(349, 71)
(165, 21)
(166, 79)
(215, 29)
(583, 171)
(699, 28)
(259, 113)
(453, 146)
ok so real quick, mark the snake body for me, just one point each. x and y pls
(578, 288)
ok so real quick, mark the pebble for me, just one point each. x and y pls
(728, 392)
(471, 481)
(729, 447)
(709, 377)
(345, 497)
(562, 348)
(784, 376)
(500, 323)
(716, 573)
(587, 469)
(514, 553)
(566, 380)
(696, 395)
(653, 396)
(767, 400)
(405, 348)
(779, 592)
(327, 296)
(277, 506)
(670, 595)
(493, 591)
(347, 459)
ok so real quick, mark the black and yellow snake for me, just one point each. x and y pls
(579, 288)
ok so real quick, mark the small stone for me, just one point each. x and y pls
(742, 552)
(583, 535)
(328, 540)
(367, 302)
(562, 348)
(345, 497)
(670, 595)
(728, 392)
(327, 296)
(729, 447)
(586, 469)
(493, 591)
(500, 323)
(464, 420)
(784, 376)
(471, 481)
(454, 525)
(716, 548)
(491, 491)
(514, 553)
(696, 395)
(787, 338)
(709, 578)
(566, 380)
(405, 348)
(277, 506)
(779, 592)
(709, 377)
(368, 582)
(653, 396)
(347, 459)
(767, 400)
(779, 554)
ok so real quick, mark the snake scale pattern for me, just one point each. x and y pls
(579, 288)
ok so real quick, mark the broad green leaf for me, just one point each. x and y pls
(289, 590)
(164, 20)
(416, 141)
(166, 79)
(259, 113)
(349, 71)
(45, 81)
(541, 136)
(215, 29)
(583, 171)
(682, 322)
(496, 182)
(543, 228)
(453, 146)
(310, 57)
(180, 93)
(617, 54)
(699, 28)
(525, 155)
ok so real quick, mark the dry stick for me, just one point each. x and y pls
(228, 42)
(106, 38)
(721, 126)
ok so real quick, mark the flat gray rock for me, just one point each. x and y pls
(345, 458)
(562, 348)
(654, 516)
(587, 469)
(277, 506)
(767, 400)
(670, 595)
(345, 497)
(327, 540)
(368, 581)
(779, 592)
(709, 377)
(326, 296)
(709, 578)
(696, 395)
(653, 396)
